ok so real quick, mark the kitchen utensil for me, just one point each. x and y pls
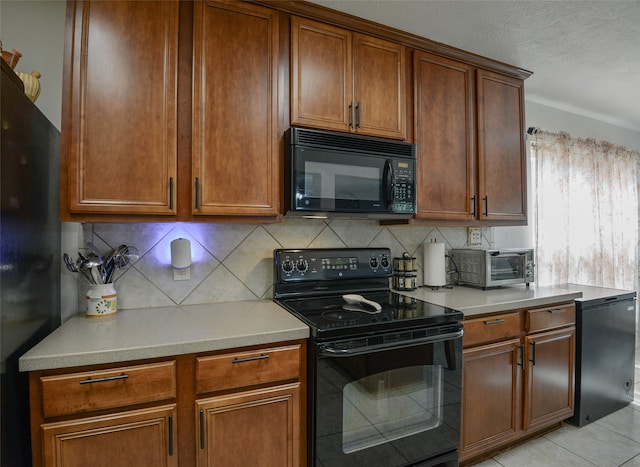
(355, 299)
(91, 264)
(71, 266)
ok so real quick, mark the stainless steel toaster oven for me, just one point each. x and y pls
(493, 268)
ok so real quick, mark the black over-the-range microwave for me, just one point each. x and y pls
(330, 174)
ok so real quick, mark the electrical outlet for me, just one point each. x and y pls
(474, 236)
(183, 274)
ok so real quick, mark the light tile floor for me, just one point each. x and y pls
(612, 441)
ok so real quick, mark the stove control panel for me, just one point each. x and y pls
(331, 264)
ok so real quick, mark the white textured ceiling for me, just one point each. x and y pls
(585, 55)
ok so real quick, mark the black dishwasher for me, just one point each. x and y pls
(605, 352)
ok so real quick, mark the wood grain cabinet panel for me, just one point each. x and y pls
(238, 407)
(106, 389)
(143, 438)
(444, 134)
(469, 128)
(518, 376)
(119, 116)
(502, 166)
(241, 369)
(491, 328)
(345, 81)
(549, 379)
(259, 427)
(491, 396)
(235, 110)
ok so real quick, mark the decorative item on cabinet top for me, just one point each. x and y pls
(31, 84)
(12, 57)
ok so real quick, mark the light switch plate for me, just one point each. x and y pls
(474, 236)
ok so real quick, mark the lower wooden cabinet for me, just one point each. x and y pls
(140, 437)
(491, 395)
(549, 377)
(258, 427)
(518, 376)
(236, 407)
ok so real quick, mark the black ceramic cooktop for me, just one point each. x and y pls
(332, 316)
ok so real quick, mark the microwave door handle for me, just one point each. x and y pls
(389, 182)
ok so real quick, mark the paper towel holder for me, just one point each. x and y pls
(181, 259)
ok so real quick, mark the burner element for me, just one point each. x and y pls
(342, 315)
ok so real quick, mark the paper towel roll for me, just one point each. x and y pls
(434, 270)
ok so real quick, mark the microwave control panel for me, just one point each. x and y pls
(404, 200)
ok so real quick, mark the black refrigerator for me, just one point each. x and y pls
(29, 252)
(605, 352)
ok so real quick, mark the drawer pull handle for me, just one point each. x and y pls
(533, 361)
(249, 359)
(102, 380)
(495, 321)
(521, 364)
(557, 310)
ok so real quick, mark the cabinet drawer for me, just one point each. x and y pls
(551, 317)
(238, 369)
(491, 328)
(104, 389)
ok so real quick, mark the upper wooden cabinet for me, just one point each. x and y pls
(346, 81)
(469, 128)
(170, 109)
(445, 136)
(502, 167)
(235, 110)
(119, 115)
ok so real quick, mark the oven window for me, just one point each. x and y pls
(390, 405)
(507, 267)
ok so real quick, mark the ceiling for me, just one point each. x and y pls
(584, 55)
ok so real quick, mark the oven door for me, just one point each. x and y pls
(506, 269)
(387, 400)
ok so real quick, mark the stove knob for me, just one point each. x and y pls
(373, 262)
(384, 262)
(287, 266)
(302, 265)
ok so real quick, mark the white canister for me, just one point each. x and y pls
(102, 300)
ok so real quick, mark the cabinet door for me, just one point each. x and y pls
(259, 427)
(235, 110)
(379, 87)
(119, 132)
(549, 379)
(444, 134)
(142, 438)
(321, 76)
(502, 168)
(491, 396)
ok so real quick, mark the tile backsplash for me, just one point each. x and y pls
(235, 261)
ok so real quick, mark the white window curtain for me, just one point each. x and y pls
(586, 211)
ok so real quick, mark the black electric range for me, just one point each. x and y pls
(311, 283)
(368, 362)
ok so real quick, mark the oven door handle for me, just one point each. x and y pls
(328, 351)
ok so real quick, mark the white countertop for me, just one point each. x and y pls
(162, 332)
(472, 301)
(167, 331)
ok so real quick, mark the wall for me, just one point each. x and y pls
(36, 28)
(235, 261)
